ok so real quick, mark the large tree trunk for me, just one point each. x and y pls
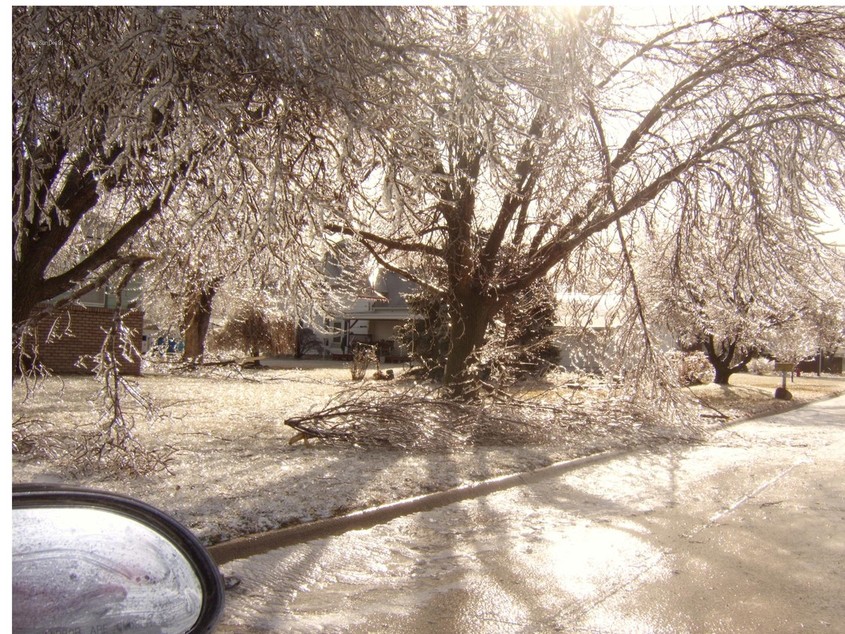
(721, 355)
(469, 327)
(25, 298)
(197, 321)
(722, 374)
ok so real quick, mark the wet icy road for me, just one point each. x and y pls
(743, 534)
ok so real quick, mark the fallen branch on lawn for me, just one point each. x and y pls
(414, 419)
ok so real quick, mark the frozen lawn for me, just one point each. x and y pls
(234, 472)
(752, 395)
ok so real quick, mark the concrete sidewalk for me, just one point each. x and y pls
(743, 534)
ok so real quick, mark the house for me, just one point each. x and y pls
(372, 318)
(68, 339)
(583, 326)
(829, 363)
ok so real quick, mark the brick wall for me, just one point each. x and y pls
(80, 331)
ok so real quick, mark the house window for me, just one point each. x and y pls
(95, 298)
(334, 330)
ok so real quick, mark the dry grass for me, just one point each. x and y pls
(751, 395)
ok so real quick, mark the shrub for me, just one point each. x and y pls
(252, 331)
(761, 366)
(692, 368)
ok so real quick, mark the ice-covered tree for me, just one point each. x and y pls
(474, 150)
(735, 288)
(818, 328)
(227, 240)
(487, 146)
(120, 114)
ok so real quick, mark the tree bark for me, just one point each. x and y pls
(466, 336)
(722, 374)
(197, 321)
(721, 356)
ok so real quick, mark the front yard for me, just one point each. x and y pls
(234, 472)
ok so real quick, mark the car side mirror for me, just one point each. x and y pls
(90, 561)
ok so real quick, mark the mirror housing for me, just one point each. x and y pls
(91, 561)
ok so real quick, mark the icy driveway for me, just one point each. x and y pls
(744, 534)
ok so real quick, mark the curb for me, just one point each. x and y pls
(264, 542)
